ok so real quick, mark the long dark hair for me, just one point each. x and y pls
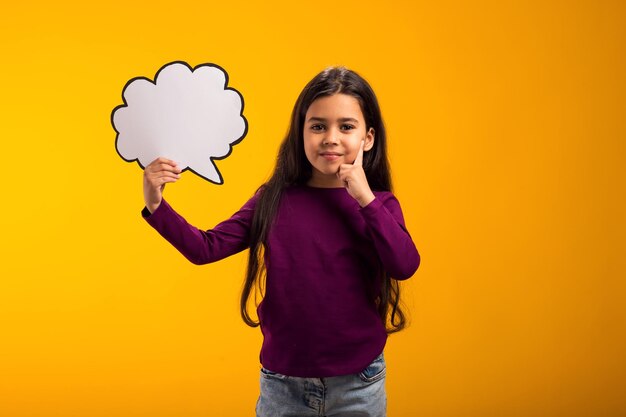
(293, 168)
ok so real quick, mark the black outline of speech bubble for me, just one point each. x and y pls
(213, 158)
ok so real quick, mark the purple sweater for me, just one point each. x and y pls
(318, 316)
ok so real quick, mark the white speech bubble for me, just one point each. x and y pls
(187, 114)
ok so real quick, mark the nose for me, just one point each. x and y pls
(331, 137)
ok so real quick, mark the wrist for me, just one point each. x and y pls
(153, 206)
(366, 199)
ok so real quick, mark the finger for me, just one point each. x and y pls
(160, 167)
(169, 167)
(156, 175)
(159, 182)
(164, 160)
(344, 170)
(167, 174)
(344, 178)
(163, 163)
(359, 156)
(345, 174)
(168, 179)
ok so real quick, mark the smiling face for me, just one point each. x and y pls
(333, 130)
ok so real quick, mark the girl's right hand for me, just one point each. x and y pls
(155, 176)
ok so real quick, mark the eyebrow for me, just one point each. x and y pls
(341, 120)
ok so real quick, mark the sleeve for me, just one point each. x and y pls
(391, 238)
(199, 246)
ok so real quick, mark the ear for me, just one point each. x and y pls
(369, 140)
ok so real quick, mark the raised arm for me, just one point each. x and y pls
(203, 246)
(199, 246)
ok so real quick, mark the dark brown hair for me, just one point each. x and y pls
(293, 168)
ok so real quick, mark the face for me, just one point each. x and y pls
(334, 127)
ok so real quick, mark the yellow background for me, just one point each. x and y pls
(507, 140)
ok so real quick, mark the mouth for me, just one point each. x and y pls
(330, 156)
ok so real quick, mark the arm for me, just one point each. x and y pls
(200, 247)
(384, 219)
(392, 240)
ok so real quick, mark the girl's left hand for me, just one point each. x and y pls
(355, 181)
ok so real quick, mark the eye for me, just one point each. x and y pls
(317, 127)
(347, 127)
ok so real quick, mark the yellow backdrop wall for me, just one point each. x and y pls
(507, 141)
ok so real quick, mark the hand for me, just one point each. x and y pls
(355, 181)
(155, 176)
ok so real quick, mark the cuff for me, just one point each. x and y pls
(145, 213)
(372, 207)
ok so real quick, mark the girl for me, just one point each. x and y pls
(327, 245)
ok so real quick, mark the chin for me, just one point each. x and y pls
(325, 171)
(329, 170)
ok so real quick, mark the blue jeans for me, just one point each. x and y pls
(361, 394)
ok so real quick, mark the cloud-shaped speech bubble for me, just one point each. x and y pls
(187, 114)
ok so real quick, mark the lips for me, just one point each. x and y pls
(330, 156)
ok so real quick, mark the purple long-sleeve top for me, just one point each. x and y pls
(318, 316)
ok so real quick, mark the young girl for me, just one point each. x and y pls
(327, 245)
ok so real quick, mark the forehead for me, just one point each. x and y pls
(335, 107)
